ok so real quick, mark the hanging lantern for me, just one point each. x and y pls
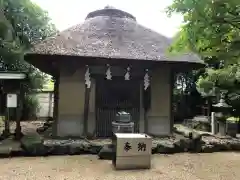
(127, 75)
(109, 73)
(87, 78)
(146, 80)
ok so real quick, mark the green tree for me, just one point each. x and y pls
(212, 30)
(22, 24)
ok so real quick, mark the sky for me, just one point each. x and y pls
(150, 13)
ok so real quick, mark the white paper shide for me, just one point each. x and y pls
(87, 78)
(146, 80)
(127, 75)
(108, 73)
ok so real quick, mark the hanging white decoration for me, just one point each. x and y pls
(87, 78)
(127, 75)
(109, 73)
(146, 80)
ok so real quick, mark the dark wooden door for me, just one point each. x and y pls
(113, 96)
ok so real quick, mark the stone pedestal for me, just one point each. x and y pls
(118, 127)
(213, 123)
(222, 128)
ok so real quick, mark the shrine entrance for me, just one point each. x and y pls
(113, 96)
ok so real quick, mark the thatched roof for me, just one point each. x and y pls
(111, 33)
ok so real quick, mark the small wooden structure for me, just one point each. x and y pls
(107, 64)
(11, 85)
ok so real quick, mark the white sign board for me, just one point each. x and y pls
(11, 100)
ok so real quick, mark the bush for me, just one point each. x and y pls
(233, 119)
(30, 107)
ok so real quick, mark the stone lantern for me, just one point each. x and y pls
(222, 110)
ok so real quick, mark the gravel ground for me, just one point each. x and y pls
(216, 166)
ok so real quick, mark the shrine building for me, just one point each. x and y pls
(110, 63)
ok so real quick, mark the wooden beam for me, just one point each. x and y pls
(68, 67)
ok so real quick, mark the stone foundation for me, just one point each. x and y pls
(36, 146)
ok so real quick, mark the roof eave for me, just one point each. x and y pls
(41, 60)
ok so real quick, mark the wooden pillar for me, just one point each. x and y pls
(92, 114)
(172, 81)
(50, 104)
(18, 118)
(55, 108)
(86, 109)
(6, 131)
(145, 104)
(146, 96)
(142, 123)
(86, 100)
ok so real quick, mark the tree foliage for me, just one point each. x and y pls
(22, 24)
(212, 30)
